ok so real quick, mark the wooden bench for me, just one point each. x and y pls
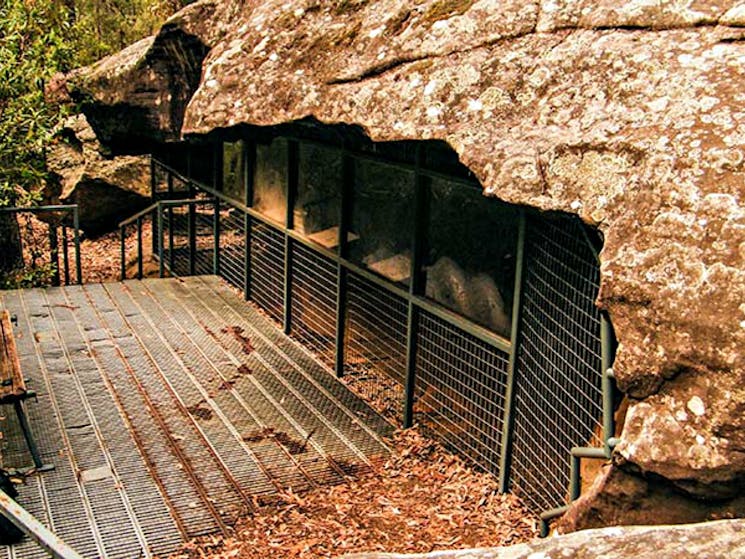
(13, 386)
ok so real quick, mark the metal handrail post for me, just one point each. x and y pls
(422, 193)
(161, 263)
(139, 248)
(65, 255)
(508, 420)
(76, 237)
(122, 253)
(54, 253)
(342, 280)
(292, 185)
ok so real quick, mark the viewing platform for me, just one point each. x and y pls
(169, 408)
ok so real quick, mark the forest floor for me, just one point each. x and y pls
(423, 498)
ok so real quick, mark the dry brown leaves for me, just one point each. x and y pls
(423, 498)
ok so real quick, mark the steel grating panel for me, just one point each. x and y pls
(558, 396)
(300, 372)
(267, 269)
(460, 390)
(233, 247)
(313, 306)
(375, 346)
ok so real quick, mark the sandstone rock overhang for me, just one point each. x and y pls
(629, 114)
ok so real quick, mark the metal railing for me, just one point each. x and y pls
(52, 249)
(415, 360)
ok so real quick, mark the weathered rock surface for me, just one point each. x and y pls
(629, 114)
(105, 188)
(720, 540)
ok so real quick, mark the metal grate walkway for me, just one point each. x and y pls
(170, 407)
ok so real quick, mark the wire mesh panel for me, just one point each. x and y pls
(233, 246)
(267, 268)
(558, 397)
(460, 390)
(375, 346)
(314, 301)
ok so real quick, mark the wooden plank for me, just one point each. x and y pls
(11, 369)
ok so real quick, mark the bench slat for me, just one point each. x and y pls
(12, 383)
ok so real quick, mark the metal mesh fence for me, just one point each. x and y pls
(375, 346)
(267, 268)
(558, 396)
(460, 390)
(314, 301)
(233, 247)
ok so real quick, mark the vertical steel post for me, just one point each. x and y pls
(216, 238)
(54, 253)
(153, 198)
(293, 157)
(161, 264)
(422, 192)
(65, 255)
(192, 234)
(139, 248)
(76, 240)
(505, 458)
(607, 344)
(170, 223)
(249, 168)
(345, 212)
(122, 253)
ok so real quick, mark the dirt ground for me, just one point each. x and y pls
(423, 498)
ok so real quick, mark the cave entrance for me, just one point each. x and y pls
(473, 318)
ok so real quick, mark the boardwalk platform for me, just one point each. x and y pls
(169, 408)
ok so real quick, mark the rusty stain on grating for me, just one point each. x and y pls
(169, 409)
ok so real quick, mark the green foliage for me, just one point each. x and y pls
(39, 275)
(34, 47)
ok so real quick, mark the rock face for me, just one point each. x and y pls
(106, 189)
(695, 541)
(629, 114)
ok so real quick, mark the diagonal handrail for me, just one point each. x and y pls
(27, 523)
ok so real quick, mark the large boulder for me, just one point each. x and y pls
(629, 114)
(721, 539)
(105, 188)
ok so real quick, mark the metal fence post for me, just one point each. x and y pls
(249, 167)
(192, 235)
(345, 208)
(122, 253)
(54, 253)
(169, 178)
(216, 238)
(293, 154)
(509, 398)
(161, 264)
(139, 248)
(76, 238)
(65, 255)
(416, 284)
(608, 347)
(153, 198)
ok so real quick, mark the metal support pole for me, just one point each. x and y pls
(76, 238)
(54, 253)
(607, 344)
(170, 223)
(161, 264)
(65, 255)
(293, 153)
(505, 458)
(28, 524)
(122, 253)
(29, 438)
(216, 238)
(153, 198)
(422, 187)
(192, 234)
(345, 210)
(139, 248)
(249, 169)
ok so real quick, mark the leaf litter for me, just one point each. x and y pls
(423, 498)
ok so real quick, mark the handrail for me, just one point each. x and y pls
(27, 523)
(53, 239)
(139, 215)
